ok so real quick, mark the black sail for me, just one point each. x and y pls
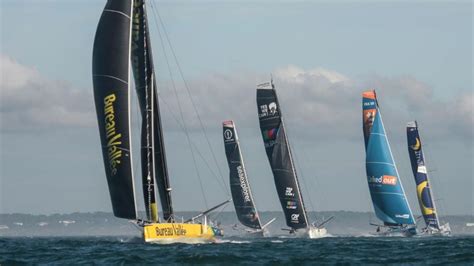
(279, 156)
(153, 157)
(239, 185)
(110, 71)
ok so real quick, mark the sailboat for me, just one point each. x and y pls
(386, 190)
(281, 161)
(239, 185)
(423, 187)
(122, 43)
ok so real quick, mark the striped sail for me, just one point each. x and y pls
(386, 190)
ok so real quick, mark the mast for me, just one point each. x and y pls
(386, 190)
(111, 76)
(154, 167)
(418, 165)
(280, 157)
(239, 185)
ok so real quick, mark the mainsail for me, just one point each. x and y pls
(239, 185)
(279, 156)
(153, 159)
(110, 71)
(425, 197)
(386, 190)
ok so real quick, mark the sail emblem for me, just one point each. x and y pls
(417, 145)
(295, 217)
(228, 134)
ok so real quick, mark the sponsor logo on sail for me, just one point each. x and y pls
(384, 180)
(113, 138)
(268, 110)
(228, 136)
(295, 218)
(291, 205)
(402, 216)
(243, 183)
(289, 192)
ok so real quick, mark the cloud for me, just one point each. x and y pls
(317, 103)
(31, 101)
(321, 104)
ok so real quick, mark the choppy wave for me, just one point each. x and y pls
(351, 250)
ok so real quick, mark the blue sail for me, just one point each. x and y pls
(386, 190)
(425, 197)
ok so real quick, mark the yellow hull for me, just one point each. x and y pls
(178, 233)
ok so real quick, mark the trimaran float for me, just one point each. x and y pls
(423, 187)
(386, 190)
(239, 185)
(281, 161)
(122, 43)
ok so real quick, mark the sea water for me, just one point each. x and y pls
(239, 250)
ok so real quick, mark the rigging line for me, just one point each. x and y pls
(190, 96)
(300, 169)
(194, 145)
(180, 110)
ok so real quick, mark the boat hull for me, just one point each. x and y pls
(444, 230)
(397, 231)
(179, 233)
(312, 232)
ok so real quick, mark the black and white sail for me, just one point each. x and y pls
(110, 71)
(239, 185)
(153, 158)
(279, 156)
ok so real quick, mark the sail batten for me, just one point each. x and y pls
(240, 188)
(386, 190)
(280, 157)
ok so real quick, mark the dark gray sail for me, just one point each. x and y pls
(153, 159)
(279, 156)
(110, 71)
(239, 185)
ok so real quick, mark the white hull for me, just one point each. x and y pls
(312, 232)
(444, 230)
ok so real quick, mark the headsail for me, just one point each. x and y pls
(425, 197)
(386, 190)
(279, 156)
(239, 185)
(110, 70)
(152, 146)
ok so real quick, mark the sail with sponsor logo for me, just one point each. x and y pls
(279, 155)
(423, 187)
(386, 190)
(122, 45)
(239, 184)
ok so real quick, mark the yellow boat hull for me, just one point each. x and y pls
(178, 233)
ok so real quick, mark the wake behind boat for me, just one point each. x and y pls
(386, 190)
(122, 37)
(239, 185)
(281, 161)
(423, 187)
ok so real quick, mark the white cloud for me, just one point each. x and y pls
(29, 100)
(319, 103)
(323, 103)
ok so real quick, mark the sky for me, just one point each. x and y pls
(321, 54)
